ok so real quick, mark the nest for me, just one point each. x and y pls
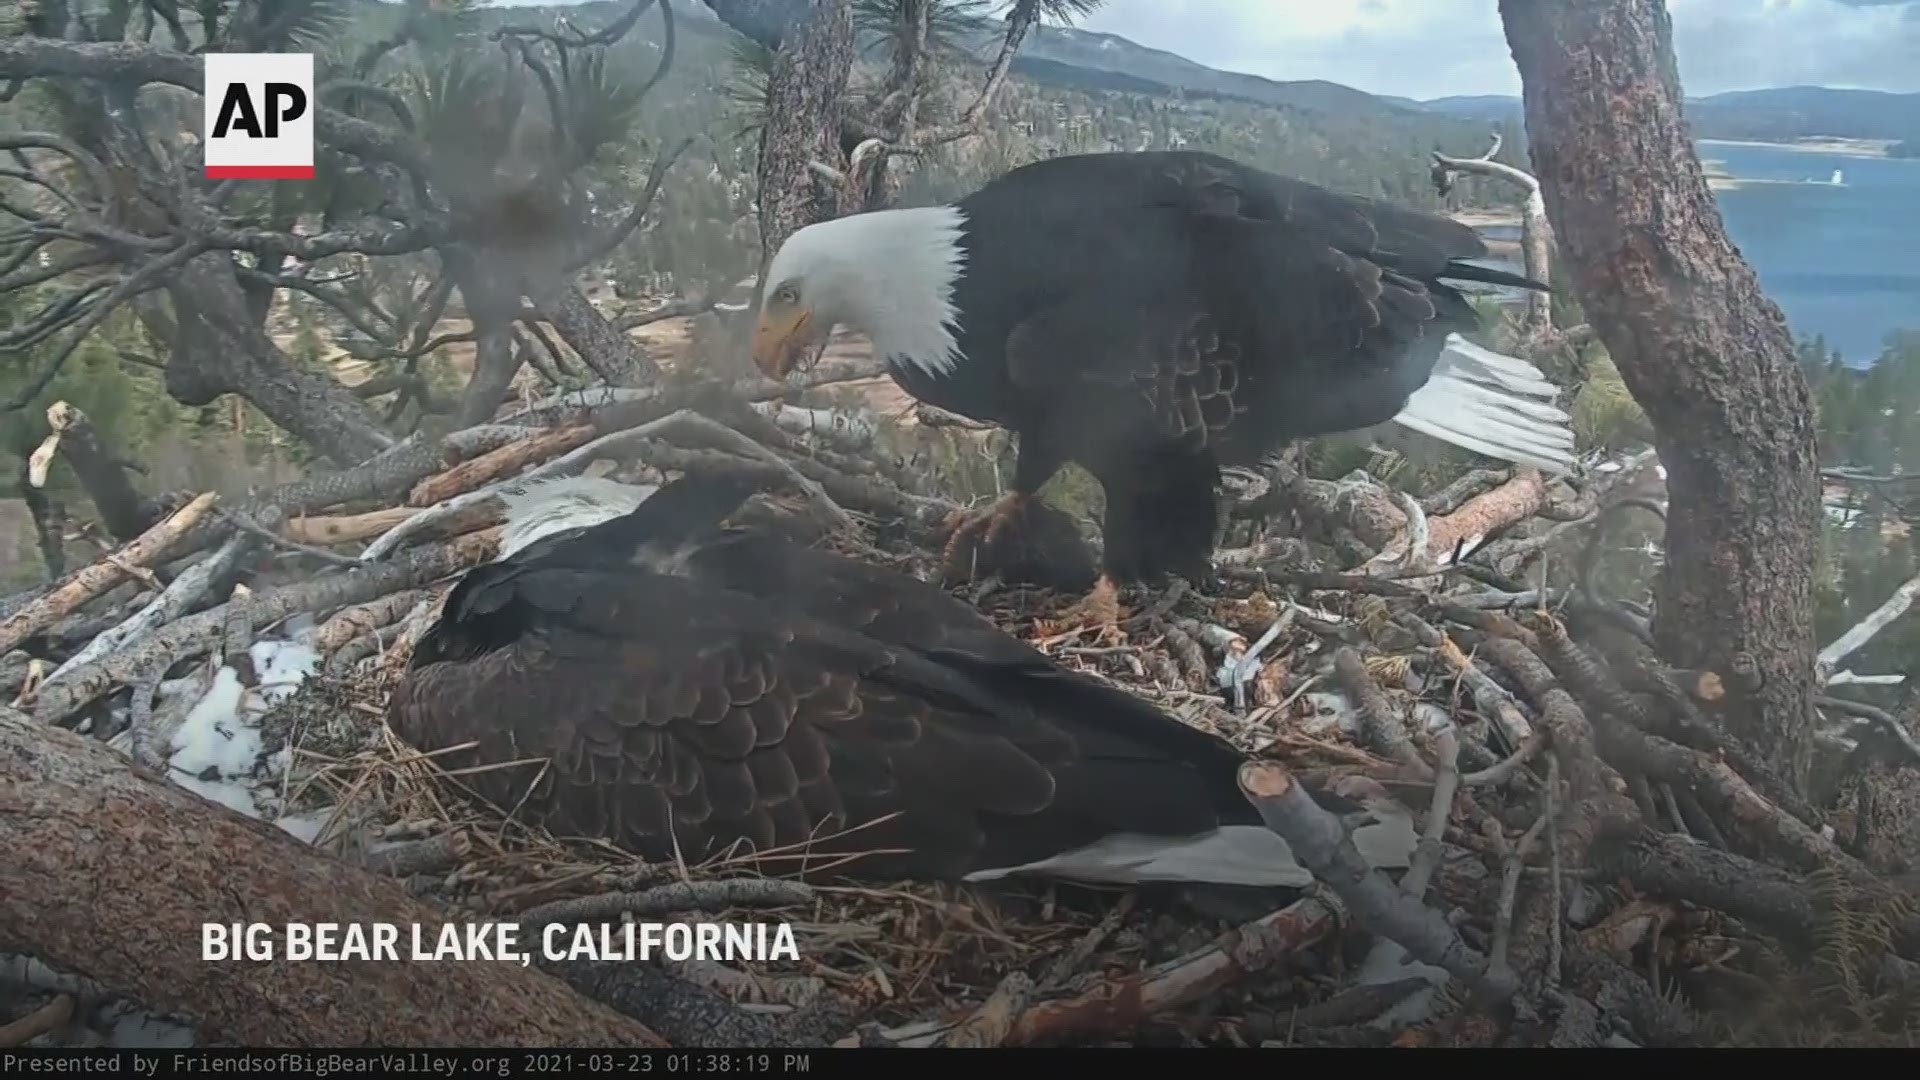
(1600, 859)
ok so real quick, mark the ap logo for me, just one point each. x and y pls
(259, 121)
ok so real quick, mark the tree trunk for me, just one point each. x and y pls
(47, 521)
(101, 472)
(804, 113)
(495, 363)
(492, 304)
(218, 349)
(604, 347)
(1704, 351)
(112, 871)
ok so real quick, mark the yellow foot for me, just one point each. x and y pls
(974, 536)
(1099, 611)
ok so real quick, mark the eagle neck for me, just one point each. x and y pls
(918, 264)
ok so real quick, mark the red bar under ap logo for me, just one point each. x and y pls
(259, 116)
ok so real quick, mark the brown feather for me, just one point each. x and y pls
(756, 715)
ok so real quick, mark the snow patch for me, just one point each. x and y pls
(217, 752)
(282, 667)
(214, 734)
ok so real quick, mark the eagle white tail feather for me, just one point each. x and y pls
(1492, 404)
(538, 508)
(1519, 373)
(1231, 855)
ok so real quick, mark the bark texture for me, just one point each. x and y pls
(804, 114)
(613, 355)
(111, 871)
(1704, 351)
(93, 580)
(500, 461)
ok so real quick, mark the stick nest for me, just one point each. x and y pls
(1600, 858)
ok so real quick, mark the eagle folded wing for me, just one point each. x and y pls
(876, 602)
(1160, 358)
(721, 728)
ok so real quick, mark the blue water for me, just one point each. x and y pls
(1842, 262)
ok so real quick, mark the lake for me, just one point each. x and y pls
(1841, 261)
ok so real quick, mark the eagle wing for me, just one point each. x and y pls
(673, 718)
(1230, 307)
(884, 605)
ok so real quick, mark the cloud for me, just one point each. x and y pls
(1745, 44)
(1434, 48)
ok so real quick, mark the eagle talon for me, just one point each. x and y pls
(976, 535)
(1099, 610)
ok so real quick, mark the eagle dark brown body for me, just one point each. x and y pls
(684, 690)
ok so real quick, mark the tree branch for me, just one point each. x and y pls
(135, 63)
(1020, 22)
(97, 176)
(606, 241)
(609, 34)
(1536, 231)
(73, 814)
(1863, 631)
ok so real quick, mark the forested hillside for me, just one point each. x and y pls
(1058, 101)
(701, 236)
(1870, 440)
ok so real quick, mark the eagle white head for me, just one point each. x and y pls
(888, 274)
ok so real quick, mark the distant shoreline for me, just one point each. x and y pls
(1866, 148)
(1487, 217)
(1718, 178)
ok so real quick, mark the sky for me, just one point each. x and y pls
(1438, 48)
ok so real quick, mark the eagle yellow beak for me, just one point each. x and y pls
(780, 338)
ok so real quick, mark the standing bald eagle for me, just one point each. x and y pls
(683, 688)
(1155, 316)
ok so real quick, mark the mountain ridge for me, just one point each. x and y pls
(1102, 61)
(1769, 114)
(1099, 59)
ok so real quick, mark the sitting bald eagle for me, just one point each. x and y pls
(1157, 316)
(684, 688)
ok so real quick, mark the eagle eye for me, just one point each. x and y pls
(786, 294)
